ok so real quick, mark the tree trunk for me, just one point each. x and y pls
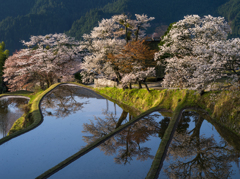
(146, 86)
(196, 131)
(139, 85)
(48, 82)
(51, 80)
(121, 119)
(130, 85)
(130, 117)
(115, 69)
(42, 85)
(126, 33)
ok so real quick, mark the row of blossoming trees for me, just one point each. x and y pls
(195, 51)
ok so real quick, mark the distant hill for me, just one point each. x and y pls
(165, 12)
(19, 19)
(231, 11)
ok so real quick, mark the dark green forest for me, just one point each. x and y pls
(3, 56)
(165, 12)
(19, 19)
(231, 11)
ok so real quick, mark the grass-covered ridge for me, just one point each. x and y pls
(32, 118)
(222, 106)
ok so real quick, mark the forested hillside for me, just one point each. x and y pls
(231, 11)
(14, 8)
(19, 19)
(165, 12)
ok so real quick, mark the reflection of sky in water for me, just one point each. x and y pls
(207, 130)
(9, 113)
(32, 153)
(102, 162)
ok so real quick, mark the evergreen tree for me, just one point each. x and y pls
(3, 56)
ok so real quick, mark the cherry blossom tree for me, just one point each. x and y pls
(110, 37)
(185, 51)
(138, 76)
(226, 56)
(135, 62)
(46, 59)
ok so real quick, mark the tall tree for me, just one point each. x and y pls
(189, 62)
(46, 59)
(110, 37)
(134, 62)
(3, 56)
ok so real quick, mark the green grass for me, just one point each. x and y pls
(222, 106)
(31, 119)
(18, 93)
(26, 119)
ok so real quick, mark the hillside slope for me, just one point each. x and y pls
(165, 12)
(18, 21)
(21, 19)
(231, 11)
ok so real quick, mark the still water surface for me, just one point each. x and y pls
(75, 117)
(128, 154)
(197, 150)
(10, 111)
(67, 112)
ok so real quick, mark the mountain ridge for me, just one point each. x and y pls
(24, 18)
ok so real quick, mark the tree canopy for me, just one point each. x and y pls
(112, 43)
(45, 60)
(191, 47)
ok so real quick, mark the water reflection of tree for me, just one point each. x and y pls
(127, 143)
(192, 155)
(182, 126)
(62, 102)
(7, 116)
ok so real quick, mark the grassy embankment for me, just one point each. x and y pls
(222, 106)
(32, 118)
